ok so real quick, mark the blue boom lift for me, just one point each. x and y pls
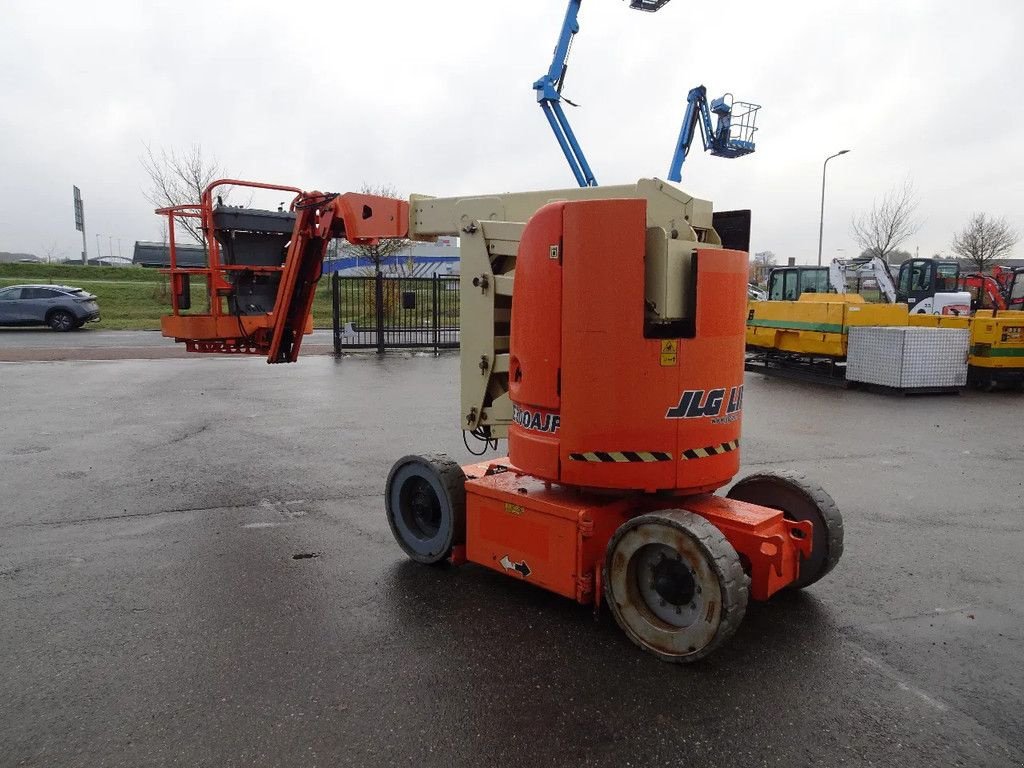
(731, 136)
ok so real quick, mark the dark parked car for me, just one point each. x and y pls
(61, 307)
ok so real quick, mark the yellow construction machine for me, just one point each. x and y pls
(802, 329)
(996, 356)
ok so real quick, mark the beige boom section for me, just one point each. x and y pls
(489, 228)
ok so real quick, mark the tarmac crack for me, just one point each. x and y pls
(189, 435)
(908, 617)
(886, 671)
(816, 458)
(255, 505)
(903, 683)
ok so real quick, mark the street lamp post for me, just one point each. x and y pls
(821, 221)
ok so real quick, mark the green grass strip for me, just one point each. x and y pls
(799, 325)
(998, 352)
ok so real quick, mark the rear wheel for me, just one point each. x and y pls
(984, 385)
(425, 499)
(61, 320)
(799, 499)
(675, 584)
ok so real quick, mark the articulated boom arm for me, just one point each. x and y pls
(264, 266)
(360, 219)
(731, 136)
(987, 284)
(549, 96)
(549, 90)
(1011, 284)
(875, 267)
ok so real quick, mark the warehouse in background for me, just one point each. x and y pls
(418, 259)
(149, 254)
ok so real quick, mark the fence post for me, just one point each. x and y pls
(336, 314)
(378, 289)
(435, 312)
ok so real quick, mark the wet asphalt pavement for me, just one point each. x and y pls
(152, 611)
(88, 343)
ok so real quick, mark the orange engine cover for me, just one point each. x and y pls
(598, 403)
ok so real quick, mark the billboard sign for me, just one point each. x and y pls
(79, 211)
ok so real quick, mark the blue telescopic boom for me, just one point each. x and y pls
(549, 96)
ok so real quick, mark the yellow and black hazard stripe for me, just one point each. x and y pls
(620, 457)
(711, 450)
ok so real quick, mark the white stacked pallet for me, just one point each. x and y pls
(908, 358)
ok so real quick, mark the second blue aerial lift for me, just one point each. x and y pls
(730, 135)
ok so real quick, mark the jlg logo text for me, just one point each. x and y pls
(712, 403)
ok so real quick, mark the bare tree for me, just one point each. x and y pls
(378, 254)
(53, 252)
(894, 257)
(983, 240)
(761, 265)
(888, 224)
(178, 177)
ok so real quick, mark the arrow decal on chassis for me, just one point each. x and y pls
(521, 568)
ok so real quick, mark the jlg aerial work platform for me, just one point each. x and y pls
(603, 334)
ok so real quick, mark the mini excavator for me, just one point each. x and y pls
(603, 336)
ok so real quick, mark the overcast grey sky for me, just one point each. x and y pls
(435, 97)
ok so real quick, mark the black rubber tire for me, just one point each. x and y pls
(434, 485)
(61, 320)
(714, 565)
(799, 499)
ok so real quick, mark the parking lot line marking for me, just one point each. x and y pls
(890, 673)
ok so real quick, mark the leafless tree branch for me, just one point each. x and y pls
(984, 240)
(888, 224)
(178, 177)
(53, 252)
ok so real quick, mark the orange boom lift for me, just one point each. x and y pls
(625, 375)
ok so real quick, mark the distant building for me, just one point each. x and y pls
(105, 261)
(159, 255)
(418, 260)
(19, 258)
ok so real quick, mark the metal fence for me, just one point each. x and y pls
(384, 312)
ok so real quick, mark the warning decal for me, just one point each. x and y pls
(669, 352)
(711, 450)
(621, 457)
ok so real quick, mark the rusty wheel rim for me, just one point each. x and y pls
(667, 585)
(638, 600)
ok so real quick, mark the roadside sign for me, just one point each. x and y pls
(79, 211)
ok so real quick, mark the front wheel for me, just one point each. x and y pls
(674, 584)
(61, 321)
